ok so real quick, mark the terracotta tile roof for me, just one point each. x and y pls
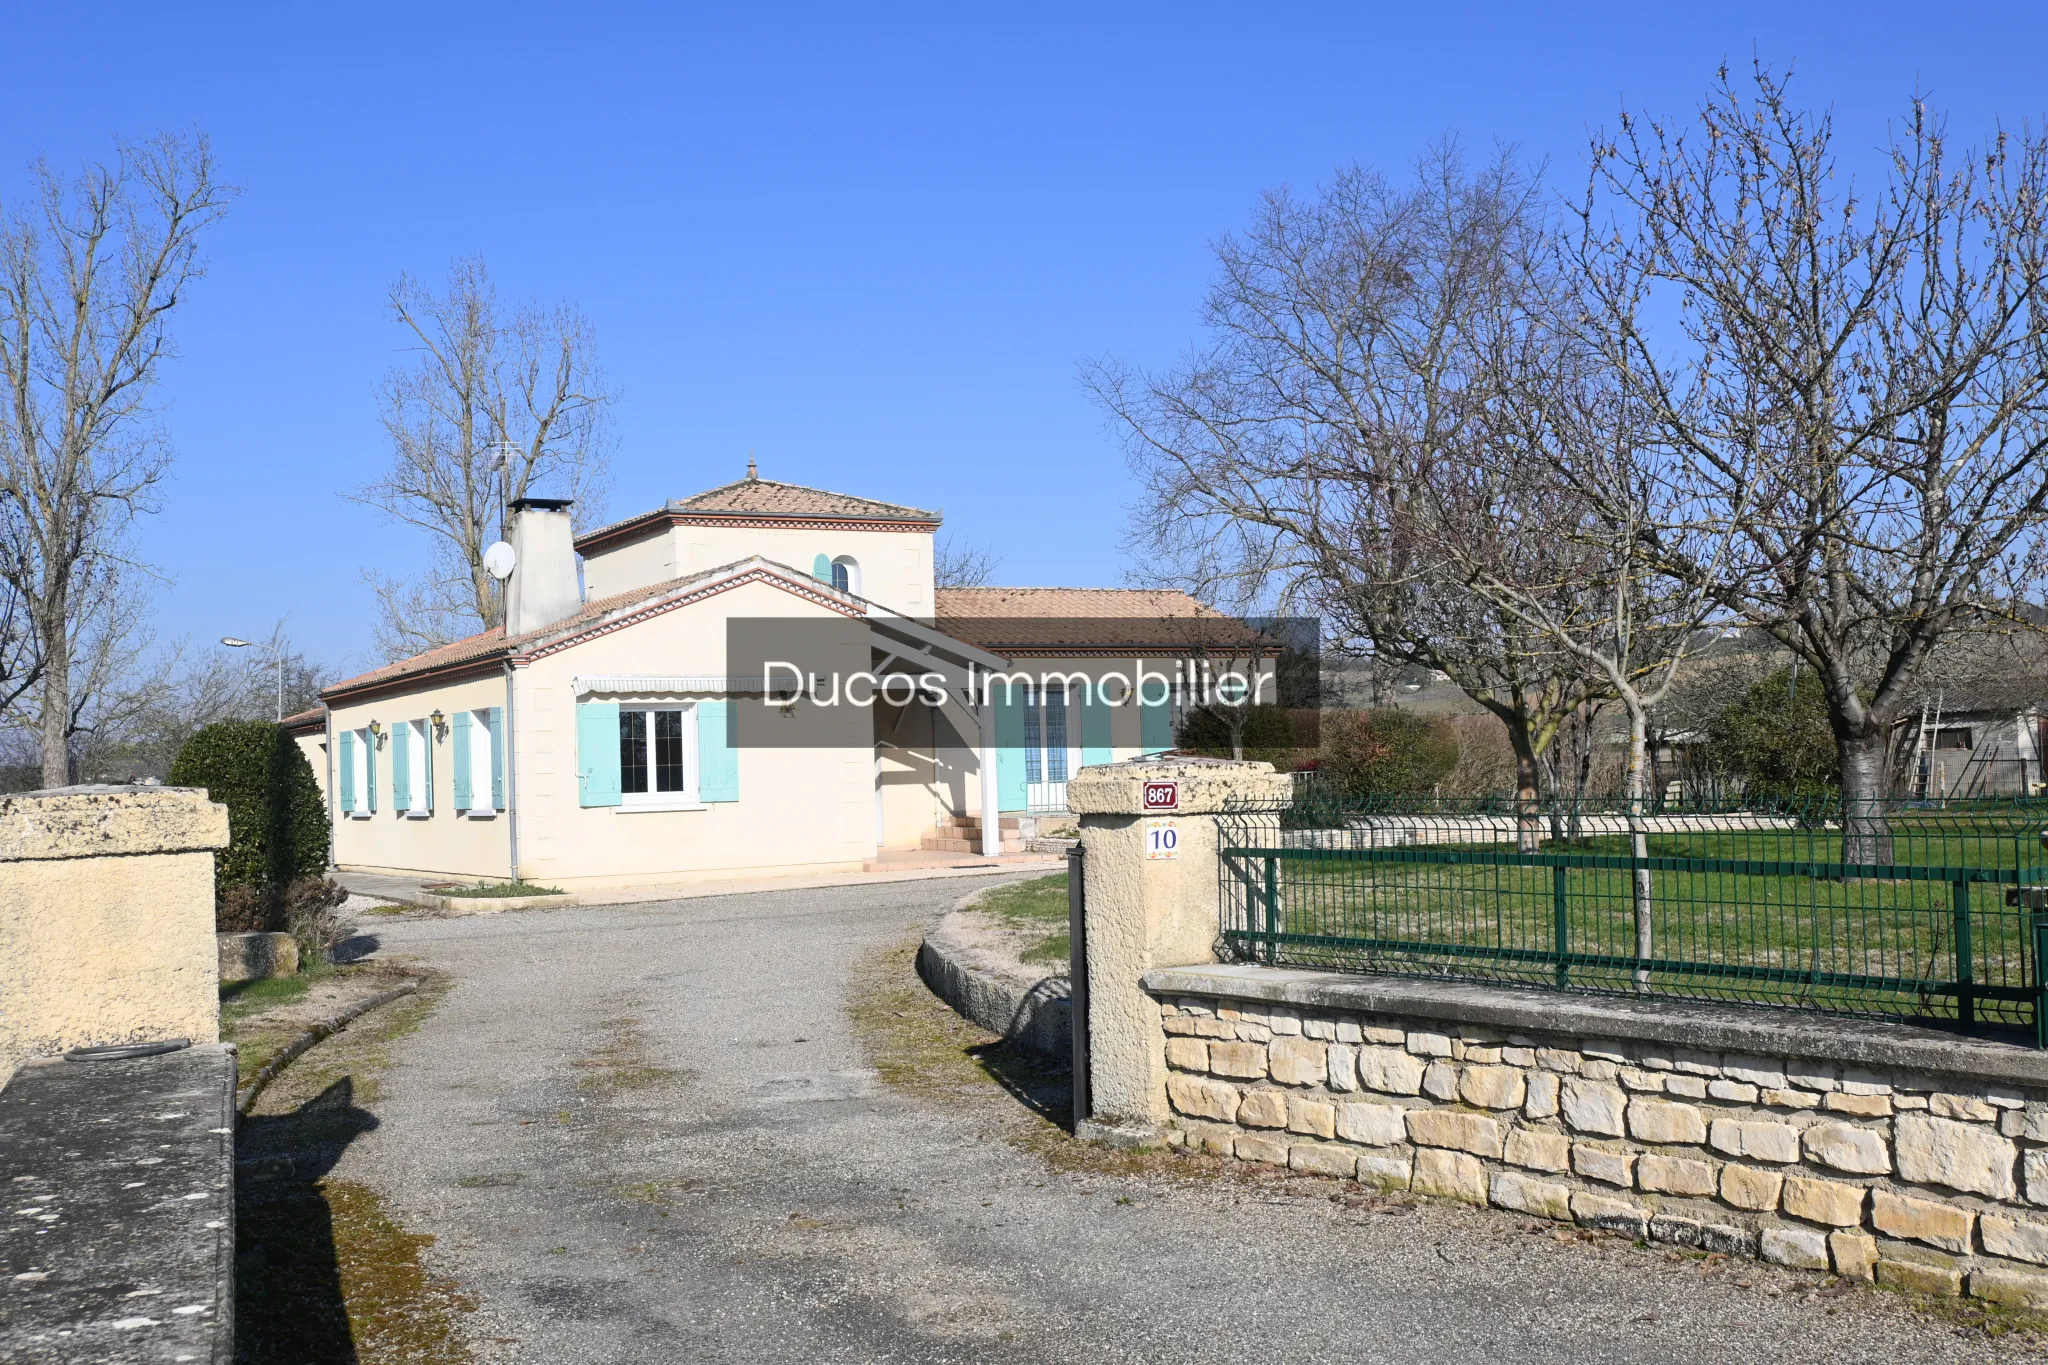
(768, 499)
(492, 644)
(1012, 619)
(310, 718)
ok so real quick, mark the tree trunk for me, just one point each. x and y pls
(1528, 816)
(1866, 832)
(56, 691)
(1639, 840)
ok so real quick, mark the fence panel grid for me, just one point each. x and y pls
(1903, 910)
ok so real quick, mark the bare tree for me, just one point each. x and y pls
(20, 665)
(1853, 382)
(1570, 464)
(497, 405)
(91, 270)
(1311, 456)
(958, 563)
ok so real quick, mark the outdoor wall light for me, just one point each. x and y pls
(440, 724)
(376, 730)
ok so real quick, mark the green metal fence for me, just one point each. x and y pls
(1900, 910)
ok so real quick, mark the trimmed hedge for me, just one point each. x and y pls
(277, 820)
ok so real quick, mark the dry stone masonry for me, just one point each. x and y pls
(1918, 1181)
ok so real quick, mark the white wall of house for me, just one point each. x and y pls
(894, 566)
(435, 838)
(799, 810)
(313, 744)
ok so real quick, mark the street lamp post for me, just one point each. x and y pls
(277, 657)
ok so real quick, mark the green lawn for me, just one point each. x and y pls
(1037, 908)
(240, 999)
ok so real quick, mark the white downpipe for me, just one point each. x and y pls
(991, 818)
(511, 788)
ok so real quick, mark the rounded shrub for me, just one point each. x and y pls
(1386, 752)
(277, 821)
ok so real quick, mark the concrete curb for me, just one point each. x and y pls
(491, 905)
(245, 1097)
(1031, 1011)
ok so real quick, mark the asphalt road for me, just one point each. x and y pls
(649, 1133)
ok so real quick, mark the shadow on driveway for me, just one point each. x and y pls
(288, 1289)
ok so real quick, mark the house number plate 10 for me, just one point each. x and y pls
(1162, 839)
(1162, 796)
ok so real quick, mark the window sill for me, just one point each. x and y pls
(358, 814)
(415, 814)
(672, 803)
(479, 815)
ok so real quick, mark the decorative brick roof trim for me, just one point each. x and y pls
(817, 593)
(655, 522)
(483, 653)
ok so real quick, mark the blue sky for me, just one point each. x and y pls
(872, 244)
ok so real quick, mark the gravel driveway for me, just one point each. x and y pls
(649, 1133)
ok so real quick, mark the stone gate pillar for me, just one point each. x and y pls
(1148, 836)
(106, 919)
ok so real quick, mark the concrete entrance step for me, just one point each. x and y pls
(915, 859)
(967, 843)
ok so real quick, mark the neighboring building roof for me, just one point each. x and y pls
(749, 502)
(312, 718)
(2000, 697)
(1165, 620)
(488, 648)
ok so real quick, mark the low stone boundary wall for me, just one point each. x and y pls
(118, 1244)
(1031, 1010)
(1875, 1151)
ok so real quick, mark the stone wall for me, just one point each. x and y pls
(1923, 1179)
(106, 919)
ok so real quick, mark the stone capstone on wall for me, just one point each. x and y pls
(1918, 1180)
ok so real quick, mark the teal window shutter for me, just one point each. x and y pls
(821, 568)
(426, 738)
(497, 724)
(460, 750)
(597, 753)
(1155, 726)
(347, 772)
(718, 758)
(1011, 792)
(401, 767)
(370, 770)
(1095, 716)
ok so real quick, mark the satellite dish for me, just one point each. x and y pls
(498, 561)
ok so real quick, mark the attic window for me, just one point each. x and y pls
(846, 574)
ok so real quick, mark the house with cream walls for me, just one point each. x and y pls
(622, 728)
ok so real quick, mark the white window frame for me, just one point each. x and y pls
(480, 807)
(359, 759)
(686, 799)
(852, 567)
(416, 762)
(1047, 794)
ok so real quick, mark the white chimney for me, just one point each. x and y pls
(543, 587)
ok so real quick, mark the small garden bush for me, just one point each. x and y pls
(1271, 734)
(277, 822)
(1776, 738)
(1386, 752)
